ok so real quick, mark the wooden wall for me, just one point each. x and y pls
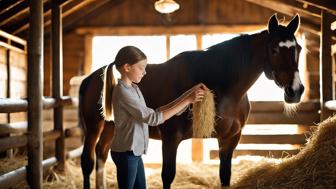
(18, 79)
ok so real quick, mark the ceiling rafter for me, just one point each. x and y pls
(23, 24)
(9, 14)
(69, 7)
(283, 8)
(7, 4)
(328, 5)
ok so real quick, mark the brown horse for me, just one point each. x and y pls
(229, 69)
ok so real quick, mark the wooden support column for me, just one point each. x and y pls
(35, 71)
(167, 46)
(10, 151)
(197, 144)
(57, 80)
(326, 67)
(88, 53)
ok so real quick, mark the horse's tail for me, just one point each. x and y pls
(109, 83)
(82, 88)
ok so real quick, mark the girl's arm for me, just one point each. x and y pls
(194, 94)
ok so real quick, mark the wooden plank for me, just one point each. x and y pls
(172, 30)
(266, 153)
(273, 139)
(17, 127)
(51, 135)
(57, 81)
(35, 65)
(87, 54)
(280, 118)
(20, 105)
(13, 142)
(326, 66)
(197, 150)
(328, 5)
(14, 10)
(12, 47)
(73, 132)
(13, 38)
(278, 106)
(285, 9)
(290, 7)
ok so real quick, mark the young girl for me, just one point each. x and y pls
(132, 116)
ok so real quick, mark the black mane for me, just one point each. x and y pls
(222, 62)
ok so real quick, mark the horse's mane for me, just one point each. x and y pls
(224, 60)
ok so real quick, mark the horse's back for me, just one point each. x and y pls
(90, 105)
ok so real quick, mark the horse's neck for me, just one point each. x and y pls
(255, 66)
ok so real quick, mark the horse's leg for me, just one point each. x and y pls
(169, 150)
(87, 159)
(226, 148)
(102, 149)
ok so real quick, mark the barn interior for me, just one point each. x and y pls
(77, 37)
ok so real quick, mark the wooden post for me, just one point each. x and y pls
(10, 151)
(326, 67)
(57, 80)
(197, 144)
(88, 54)
(167, 47)
(35, 71)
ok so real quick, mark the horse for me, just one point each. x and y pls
(228, 68)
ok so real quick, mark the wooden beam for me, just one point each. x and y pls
(280, 118)
(23, 23)
(18, 127)
(8, 4)
(278, 106)
(273, 139)
(51, 135)
(20, 105)
(11, 37)
(306, 22)
(327, 5)
(8, 15)
(327, 86)
(161, 30)
(57, 80)
(87, 54)
(197, 150)
(12, 142)
(35, 92)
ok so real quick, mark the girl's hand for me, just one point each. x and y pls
(197, 93)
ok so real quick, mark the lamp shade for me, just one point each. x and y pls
(166, 6)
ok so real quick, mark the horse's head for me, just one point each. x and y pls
(283, 58)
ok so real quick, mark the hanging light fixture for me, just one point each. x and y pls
(166, 6)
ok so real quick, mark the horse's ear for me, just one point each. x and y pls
(294, 24)
(272, 24)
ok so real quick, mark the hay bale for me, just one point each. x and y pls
(313, 167)
(203, 115)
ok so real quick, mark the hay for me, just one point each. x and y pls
(203, 115)
(313, 167)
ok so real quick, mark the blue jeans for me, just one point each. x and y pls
(130, 170)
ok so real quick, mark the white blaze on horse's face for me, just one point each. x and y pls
(288, 44)
(296, 81)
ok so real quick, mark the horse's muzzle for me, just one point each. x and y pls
(293, 96)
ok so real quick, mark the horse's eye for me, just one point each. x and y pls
(275, 51)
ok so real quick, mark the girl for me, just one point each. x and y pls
(132, 116)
